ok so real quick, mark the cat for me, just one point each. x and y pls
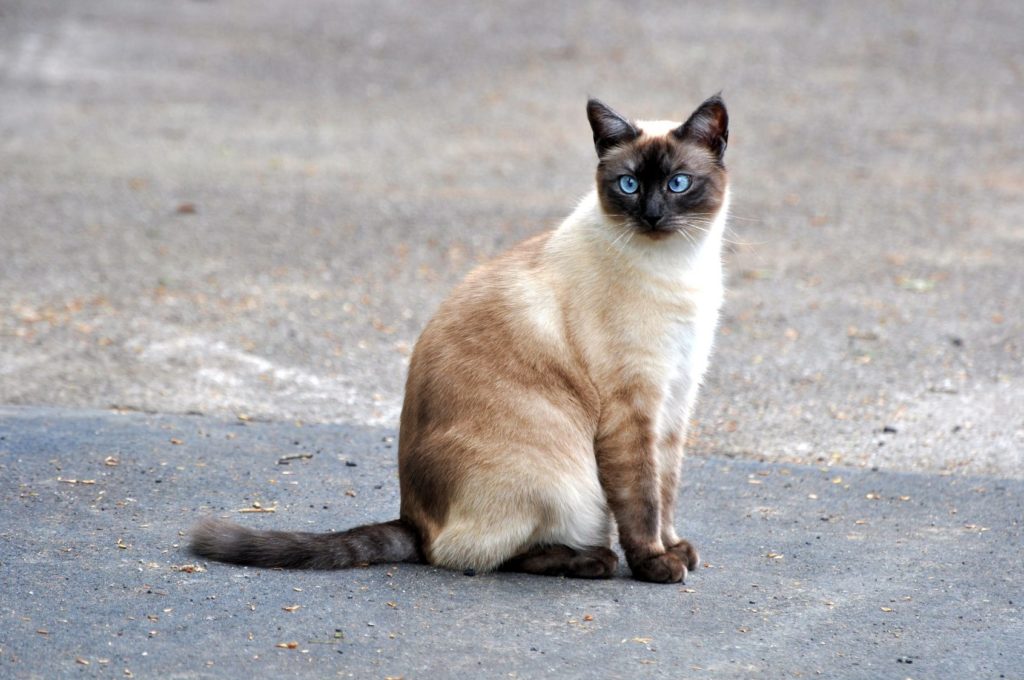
(548, 399)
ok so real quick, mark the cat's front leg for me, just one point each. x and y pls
(627, 463)
(671, 461)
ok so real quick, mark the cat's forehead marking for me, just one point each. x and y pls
(658, 151)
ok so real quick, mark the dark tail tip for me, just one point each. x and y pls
(394, 541)
(220, 540)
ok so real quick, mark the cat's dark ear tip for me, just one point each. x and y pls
(595, 104)
(715, 100)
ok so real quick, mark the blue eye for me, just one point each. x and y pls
(628, 184)
(679, 183)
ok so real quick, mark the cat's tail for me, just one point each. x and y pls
(394, 541)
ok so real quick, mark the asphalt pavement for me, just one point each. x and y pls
(808, 572)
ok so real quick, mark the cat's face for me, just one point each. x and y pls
(661, 179)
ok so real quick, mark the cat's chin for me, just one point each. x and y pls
(658, 234)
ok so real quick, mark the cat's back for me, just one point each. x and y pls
(504, 308)
(496, 351)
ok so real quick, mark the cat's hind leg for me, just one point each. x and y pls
(561, 560)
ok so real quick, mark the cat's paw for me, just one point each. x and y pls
(685, 551)
(594, 563)
(664, 568)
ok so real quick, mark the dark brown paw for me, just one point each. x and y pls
(594, 563)
(666, 568)
(685, 551)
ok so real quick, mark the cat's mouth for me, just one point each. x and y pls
(690, 230)
(657, 233)
(632, 227)
(661, 229)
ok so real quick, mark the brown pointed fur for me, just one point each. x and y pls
(548, 398)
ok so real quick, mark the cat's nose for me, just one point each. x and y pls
(652, 220)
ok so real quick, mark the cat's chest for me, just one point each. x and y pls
(668, 353)
(658, 333)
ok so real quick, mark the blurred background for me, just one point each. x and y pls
(252, 208)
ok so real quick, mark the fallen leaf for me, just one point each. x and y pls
(886, 609)
(588, 617)
(76, 481)
(188, 568)
(111, 461)
(176, 441)
(292, 608)
(642, 640)
(287, 645)
(774, 556)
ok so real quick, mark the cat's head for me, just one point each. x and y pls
(661, 179)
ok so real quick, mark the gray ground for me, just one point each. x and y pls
(224, 207)
(808, 572)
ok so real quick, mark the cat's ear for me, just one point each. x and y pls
(708, 125)
(610, 129)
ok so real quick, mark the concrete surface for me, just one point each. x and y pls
(253, 207)
(809, 572)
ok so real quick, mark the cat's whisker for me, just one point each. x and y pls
(687, 235)
(745, 219)
(627, 233)
(726, 239)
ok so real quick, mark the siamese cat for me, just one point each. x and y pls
(548, 399)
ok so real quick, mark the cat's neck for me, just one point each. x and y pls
(677, 256)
